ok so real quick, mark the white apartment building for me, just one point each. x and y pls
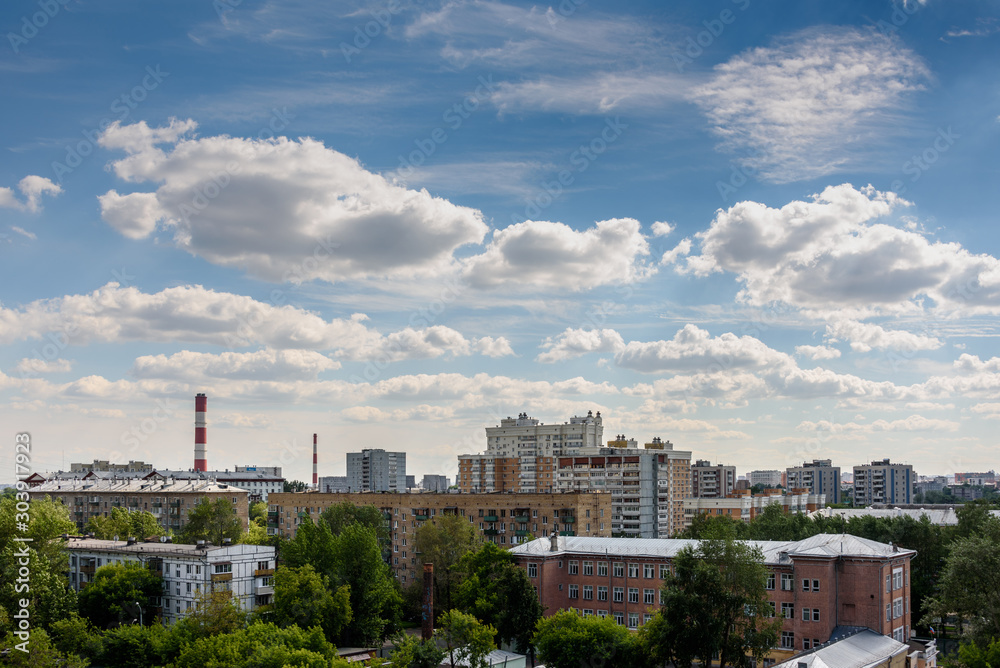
(376, 470)
(819, 476)
(883, 482)
(247, 571)
(768, 478)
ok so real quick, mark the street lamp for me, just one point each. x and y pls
(140, 613)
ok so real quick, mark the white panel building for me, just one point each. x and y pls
(376, 470)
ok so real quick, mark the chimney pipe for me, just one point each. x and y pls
(427, 620)
(554, 545)
(315, 475)
(200, 432)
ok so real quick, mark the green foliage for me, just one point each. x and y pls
(212, 521)
(465, 638)
(567, 640)
(75, 635)
(974, 656)
(342, 515)
(302, 597)
(132, 646)
(312, 546)
(122, 523)
(375, 597)
(256, 534)
(443, 542)
(499, 593)
(42, 653)
(258, 511)
(294, 486)
(117, 594)
(412, 652)
(262, 646)
(213, 613)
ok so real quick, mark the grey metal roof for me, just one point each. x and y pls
(865, 649)
(938, 516)
(129, 486)
(156, 548)
(822, 545)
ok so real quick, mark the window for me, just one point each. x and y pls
(188, 567)
(770, 605)
(664, 571)
(806, 614)
(788, 610)
(633, 620)
(602, 613)
(633, 594)
(619, 593)
(532, 570)
(223, 568)
(787, 640)
(897, 578)
(786, 582)
(805, 584)
(770, 581)
(806, 643)
(574, 591)
(602, 593)
(647, 571)
(588, 613)
(815, 585)
(602, 568)
(588, 592)
(574, 567)
(815, 614)
(189, 588)
(588, 568)
(648, 596)
(620, 618)
(897, 608)
(633, 570)
(619, 570)
(888, 583)
(888, 612)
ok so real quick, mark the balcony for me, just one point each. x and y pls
(221, 577)
(568, 520)
(263, 572)
(522, 519)
(264, 590)
(490, 532)
(491, 518)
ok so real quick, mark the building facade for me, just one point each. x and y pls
(504, 519)
(376, 470)
(819, 476)
(814, 585)
(333, 484)
(708, 481)
(742, 505)
(435, 483)
(104, 466)
(168, 499)
(883, 482)
(188, 571)
(768, 478)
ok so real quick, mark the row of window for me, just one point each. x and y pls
(648, 595)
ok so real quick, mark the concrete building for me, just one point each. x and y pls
(815, 585)
(746, 506)
(933, 484)
(333, 484)
(246, 571)
(883, 482)
(987, 478)
(435, 483)
(964, 492)
(855, 647)
(411, 481)
(376, 470)
(104, 466)
(504, 519)
(819, 476)
(708, 481)
(768, 478)
(168, 499)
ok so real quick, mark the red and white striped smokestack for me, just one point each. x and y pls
(315, 475)
(200, 432)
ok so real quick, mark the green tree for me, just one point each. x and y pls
(212, 521)
(466, 639)
(262, 646)
(313, 545)
(123, 524)
(412, 652)
(302, 597)
(118, 593)
(294, 486)
(567, 640)
(341, 515)
(974, 656)
(375, 597)
(132, 646)
(42, 653)
(214, 612)
(256, 534)
(258, 511)
(75, 635)
(497, 592)
(443, 542)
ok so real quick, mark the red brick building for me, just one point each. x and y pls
(816, 584)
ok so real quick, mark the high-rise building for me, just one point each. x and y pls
(376, 470)
(883, 482)
(712, 482)
(411, 481)
(435, 483)
(333, 483)
(769, 478)
(819, 476)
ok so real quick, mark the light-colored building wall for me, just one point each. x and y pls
(883, 482)
(819, 476)
(708, 481)
(745, 506)
(768, 478)
(376, 470)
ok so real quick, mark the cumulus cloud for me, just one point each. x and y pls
(554, 254)
(37, 365)
(912, 423)
(32, 188)
(266, 364)
(576, 342)
(280, 209)
(817, 352)
(493, 347)
(801, 107)
(866, 336)
(828, 255)
(662, 229)
(693, 349)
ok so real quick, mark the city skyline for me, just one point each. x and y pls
(761, 232)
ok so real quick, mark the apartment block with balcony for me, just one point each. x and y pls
(742, 505)
(767, 478)
(376, 470)
(883, 482)
(708, 481)
(819, 476)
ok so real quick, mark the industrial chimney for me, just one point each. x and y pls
(200, 432)
(315, 474)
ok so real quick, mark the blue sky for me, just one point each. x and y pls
(763, 231)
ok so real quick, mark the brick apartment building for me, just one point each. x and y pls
(816, 585)
(504, 519)
(743, 505)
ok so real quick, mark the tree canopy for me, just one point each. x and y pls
(212, 521)
(302, 597)
(118, 593)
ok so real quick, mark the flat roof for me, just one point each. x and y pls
(157, 548)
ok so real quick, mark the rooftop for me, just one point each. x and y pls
(864, 649)
(129, 486)
(159, 549)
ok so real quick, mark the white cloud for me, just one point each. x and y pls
(547, 254)
(817, 352)
(912, 423)
(576, 342)
(813, 102)
(23, 232)
(32, 188)
(866, 336)
(493, 347)
(662, 229)
(694, 349)
(282, 210)
(269, 364)
(990, 411)
(592, 94)
(35, 365)
(828, 256)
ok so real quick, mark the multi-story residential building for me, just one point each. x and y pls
(931, 484)
(819, 476)
(168, 499)
(987, 478)
(246, 571)
(815, 585)
(376, 470)
(411, 481)
(883, 482)
(504, 519)
(965, 492)
(767, 478)
(708, 481)
(742, 505)
(104, 466)
(333, 483)
(435, 483)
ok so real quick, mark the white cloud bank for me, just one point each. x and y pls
(32, 188)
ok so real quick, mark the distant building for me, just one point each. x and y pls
(411, 481)
(708, 481)
(965, 492)
(935, 484)
(435, 483)
(940, 515)
(883, 482)
(333, 483)
(376, 470)
(745, 506)
(246, 571)
(819, 476)
(767, 478)
(989, 478)
(104, 466)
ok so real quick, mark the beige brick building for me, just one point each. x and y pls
(504, 519)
